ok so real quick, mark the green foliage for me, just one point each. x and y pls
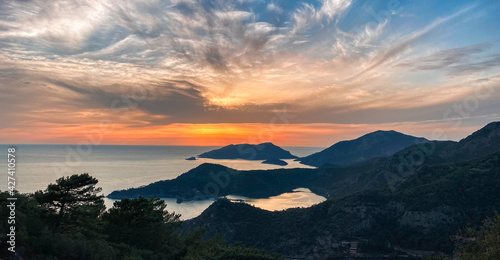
(67, 221)
(71, 245)
(143, 223)
(218, 249)
(420, 213)
(482, 244)
(73, 201)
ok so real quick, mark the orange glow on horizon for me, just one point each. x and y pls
(315, 135)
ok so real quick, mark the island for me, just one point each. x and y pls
(275, 161)
(261, 151)
(192, 158)
(211, 181)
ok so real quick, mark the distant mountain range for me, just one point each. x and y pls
(261, 151)
(409, 203)
(344, 153)
(330, 182)
(372, 145)
(419, 215)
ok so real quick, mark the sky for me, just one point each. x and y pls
(295, 73)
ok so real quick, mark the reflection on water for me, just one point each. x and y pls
(300, 197)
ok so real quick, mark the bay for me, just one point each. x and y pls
(120, 167)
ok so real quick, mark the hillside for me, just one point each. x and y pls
(420, 213)
(378, 173)
(261, 151)
(372, 145)
(213, 180)
(480, 143)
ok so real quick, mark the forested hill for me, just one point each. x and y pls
(414, 202)
(213, 180)
(372, 145)
(420, 213)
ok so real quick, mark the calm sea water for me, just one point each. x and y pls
(122, 167)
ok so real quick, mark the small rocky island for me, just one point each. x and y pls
(275, 161)
(261, 151)
(192, 158)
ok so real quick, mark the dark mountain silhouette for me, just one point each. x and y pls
(372, 145)
(378, 173)
(212, 180)
(261, 151)
(412, 201)
(418, 215)
(480, 143)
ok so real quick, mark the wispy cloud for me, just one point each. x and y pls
(405, 41)
(229, 62)
(457, 61)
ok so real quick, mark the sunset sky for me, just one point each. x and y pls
(297, 73)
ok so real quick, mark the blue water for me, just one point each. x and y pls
(122, 167)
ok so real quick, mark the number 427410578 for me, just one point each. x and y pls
(11, 170)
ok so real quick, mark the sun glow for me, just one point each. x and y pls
(315, 135)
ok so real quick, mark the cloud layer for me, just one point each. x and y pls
(153, 63)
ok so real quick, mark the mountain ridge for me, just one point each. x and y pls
(330, 182)
(431, 205)
(379, 143)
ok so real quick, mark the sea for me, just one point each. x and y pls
(120, 167)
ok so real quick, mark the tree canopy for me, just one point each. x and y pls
(72, 199)
(68, 221)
